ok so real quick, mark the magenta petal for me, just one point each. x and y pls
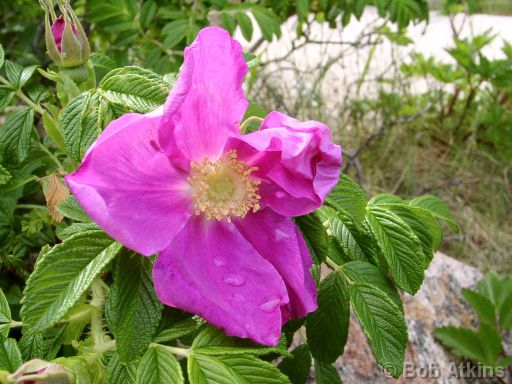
(58, 30)
(308, 167)
(209, 103)
(211, 270)
(280, 242)
(129, 187)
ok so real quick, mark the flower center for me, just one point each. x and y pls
(223, 188)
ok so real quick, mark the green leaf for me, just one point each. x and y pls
(147, 13)
(102, 65)
(315, 235)
(364, 272)
(69, 208)
(383, 323)
(63, 274)
(118, 373)
(2, 56)
(5, 310)
(6, 96)
(348, 196)
(75, 228)
(228, 369)
(250, 369)
(437, 208)
(82, 121)
(483, 346)
(400, 247)
(268, 22)
(212, 341)
(15, 134)
(245, 25)
(159, 366)
(506, 313)
(298, 365)
(32, 345)
(134, 88)
(174, 32)
(411, 217)
(13, 72)
(134, 311)
(10, 355)
(179, 329)
(327, 327)
(343, 231)
(302, 7)
(483, 307)
(326, 374)
(495, 288)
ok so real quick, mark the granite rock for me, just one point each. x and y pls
(438, 303)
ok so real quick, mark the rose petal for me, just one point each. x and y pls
(308, 168)
(212, 271)
(210, 103)
(129, 187)
(279, 241)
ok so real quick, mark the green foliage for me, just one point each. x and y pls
(159, 366)
(491, 302)
(62, 275)
(133, 310)
(91, 305)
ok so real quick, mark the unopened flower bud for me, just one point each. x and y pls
(65, 37)
(41, 372)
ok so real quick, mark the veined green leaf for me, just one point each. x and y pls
(69, 208)
(327, 327)
(315, 235)
(212, 341)
(400, 247)
(134, 88)
(5, 310)
(250, 369)
(437, 208)
(348, 196)
(118, 373)
(179, 329)
(63, 274)
(32, 345)
(298, 365)
(159, 366)
(268, 22)
(364, 272)
(383, 323)
(82, 121)
(15, 134)
(326, 374)
(102, 65)
(6, 96)
(342, 229)
(10, 355)
(2, 56)
(133, 309)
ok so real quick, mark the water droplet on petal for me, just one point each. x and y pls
(219, 262)
(234, 280)
(270, 305)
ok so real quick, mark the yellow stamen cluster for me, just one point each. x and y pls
(223, 188)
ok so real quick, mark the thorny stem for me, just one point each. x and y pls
(174, 350)
(97, 302)
(23, 97)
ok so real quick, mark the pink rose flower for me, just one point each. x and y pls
(183, 182)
